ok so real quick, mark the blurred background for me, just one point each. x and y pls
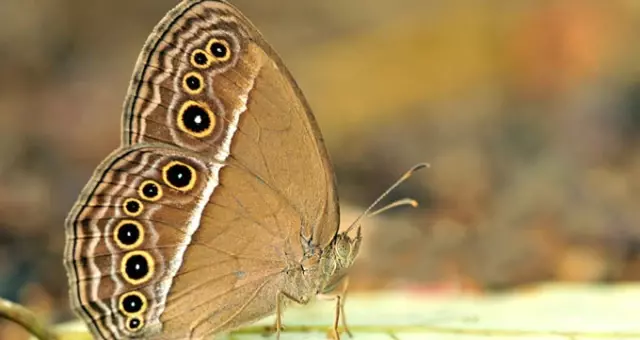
(528, 111)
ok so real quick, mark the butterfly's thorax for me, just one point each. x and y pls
(305, 272)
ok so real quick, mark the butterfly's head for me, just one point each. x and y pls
(346, 249)
(337, 258)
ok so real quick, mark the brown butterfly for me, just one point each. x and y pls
(220, 206)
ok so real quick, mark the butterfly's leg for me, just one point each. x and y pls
(334, 334)
(341, 302)
(339, 296)
(339, 310)
(279, 306)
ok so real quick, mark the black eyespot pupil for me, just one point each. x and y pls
(132, 304)
(200, 58)
(134, 323)
(179, 175)
(136, 267)
(132, 207)
(150, 190)
(193, 83)
(196, 119)
(128, 234)
(218, 50)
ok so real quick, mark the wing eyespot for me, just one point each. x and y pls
(132, 207)
(200, 59)
(132, 303)
(196, 119)
(193, 83)
(179, 175)
(137, 267)
(134, 324)
(128, 234)
(150, 190)
(219, 49)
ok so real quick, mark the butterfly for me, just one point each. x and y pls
(220, 207)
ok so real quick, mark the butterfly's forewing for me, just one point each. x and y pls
(262, 122)
(224, 248)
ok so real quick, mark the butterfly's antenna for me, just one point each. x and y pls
(406, 201)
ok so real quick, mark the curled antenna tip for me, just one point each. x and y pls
(405, 201)
(410, 172)
(420, 166)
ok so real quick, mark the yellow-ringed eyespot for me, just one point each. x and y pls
(179, 175)
(200, 59)
(219, 49)
(132, 303)
(134, 323)
(137, 267)
(150, 190)
(196, 119)
(193, 83)
(132, 207)
(128, 234)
